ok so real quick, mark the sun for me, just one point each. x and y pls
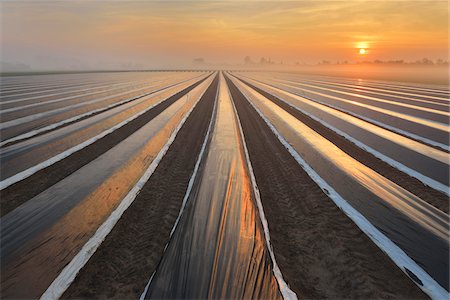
(362, 51)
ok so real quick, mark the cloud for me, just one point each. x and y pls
(175, 31)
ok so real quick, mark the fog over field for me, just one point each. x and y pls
(231, 149)
(92, 35)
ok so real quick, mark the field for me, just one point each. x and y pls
(203, 184)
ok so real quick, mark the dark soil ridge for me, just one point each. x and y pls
(131, 99)
(124, 262)
(320, 251)
(353, 115)
(415, 186)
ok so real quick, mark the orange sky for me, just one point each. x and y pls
(96, 34)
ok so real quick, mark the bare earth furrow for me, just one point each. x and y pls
(409, 183)
(121, 266)
(320, 251)
(20, 192)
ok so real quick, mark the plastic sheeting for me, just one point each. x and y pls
(41, 236)
(414, 225)
(34, 122)
(429, 165)
(30, 153)
(418, 121)
(218, 249)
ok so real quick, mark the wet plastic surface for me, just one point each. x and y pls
(429, 125)
(44, 96)
(41, 236)
(21, 125)
(218, 249)
(424, 159)
(432, 93)
(415, 226)
(23, 155)
(412, 106)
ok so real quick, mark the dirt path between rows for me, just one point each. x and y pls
(426, 193)
(18, 193)
(122, 265)
(320, 251)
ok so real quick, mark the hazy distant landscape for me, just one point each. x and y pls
(224, 150)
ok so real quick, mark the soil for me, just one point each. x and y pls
(124, 262)
(18, 193)
(426, 193)
(320, 251)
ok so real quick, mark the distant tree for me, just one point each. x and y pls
(14, 67)
(199, 61)
(396, 62)
(426, 61)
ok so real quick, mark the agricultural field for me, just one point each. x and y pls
(223, 184)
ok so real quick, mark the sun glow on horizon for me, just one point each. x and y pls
(166, 33)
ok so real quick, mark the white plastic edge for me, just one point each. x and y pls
(424, 179)
(61, 91)
(188, 190)
(385, 126)
(99, 110)
(30, 171)
(17, 108)
(285, 290)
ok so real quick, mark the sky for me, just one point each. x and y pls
(152, 34)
